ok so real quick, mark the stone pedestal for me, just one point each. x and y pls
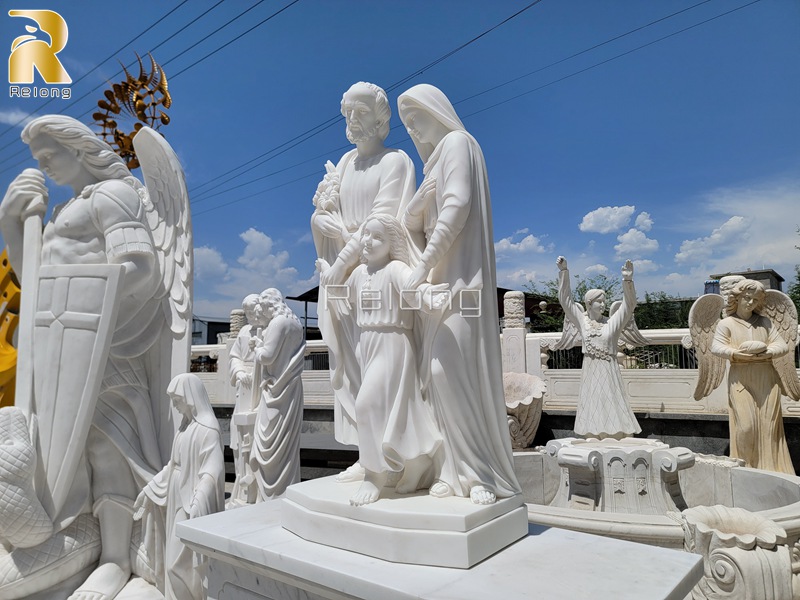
(253, 558)
(632, 475)
(416, 529)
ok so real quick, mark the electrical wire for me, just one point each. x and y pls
(332, 120)
(97, 66)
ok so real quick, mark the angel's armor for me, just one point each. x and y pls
(754, 394)
(603, 410)
(106, 224)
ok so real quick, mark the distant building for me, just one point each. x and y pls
(769, 278)
(205, 330)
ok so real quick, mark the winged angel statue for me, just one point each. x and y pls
(757, 335)
(603, 410)
(104, 326)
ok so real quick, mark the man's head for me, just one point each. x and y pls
(56, 137)
(366, 109)
(249, 307)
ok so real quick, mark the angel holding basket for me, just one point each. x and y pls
(758, 336)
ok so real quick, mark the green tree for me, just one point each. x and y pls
(662, 311)
(794, 288)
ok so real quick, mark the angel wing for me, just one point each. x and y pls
(630, 335)
(168, 217)
(782, 312)
(570, 333)
(703, 318)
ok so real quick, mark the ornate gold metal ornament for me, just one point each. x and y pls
(142, 98)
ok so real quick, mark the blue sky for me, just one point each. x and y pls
(680, 154)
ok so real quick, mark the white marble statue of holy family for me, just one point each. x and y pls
(413, 330)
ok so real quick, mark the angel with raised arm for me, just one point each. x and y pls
(110, 288)
(603, 409)
(758, 336)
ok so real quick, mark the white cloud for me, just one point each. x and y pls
(306, 238)
(596, 269)
(607, 219)
(731, 232)
(634, 243)
(258, 267)
(530, 243)
(522, 231)
(208, 264)
(644, 221)
(515, 279)
(16, 117)
(644, 266)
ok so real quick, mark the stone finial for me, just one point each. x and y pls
(514, 309)
(238, 321)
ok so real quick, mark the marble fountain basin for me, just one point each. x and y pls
(711, 480)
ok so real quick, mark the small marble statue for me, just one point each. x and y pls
(240, 360)
(279, 358)
(758, 337)
(603, 409)
(110, 274)
(368, 180)
(450, 221)
(396, 432)
(192, 484)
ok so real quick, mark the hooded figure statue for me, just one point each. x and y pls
(450, 222)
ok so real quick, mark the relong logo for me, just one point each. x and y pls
(29, 52)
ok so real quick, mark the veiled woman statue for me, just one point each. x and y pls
(758, 336)
(603, 409)
(450, 219)
(192, 484)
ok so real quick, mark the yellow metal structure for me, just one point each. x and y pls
(9, 313)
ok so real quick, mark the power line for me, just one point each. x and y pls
(240, 36)
(576, 54)
(318, 157)
(97, 66)
(328, 123)
(217, 30)
(444, 57)
(608, 60)
(180, 53)
(202, 212)
(464, 117)
(99, 85)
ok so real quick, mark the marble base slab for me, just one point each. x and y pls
(413, 528)
(253, 558)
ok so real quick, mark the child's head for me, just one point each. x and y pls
(389, 230)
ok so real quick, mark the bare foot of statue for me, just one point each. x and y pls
(413, 473)
(480, 495)
(440, 489)
(354, 472)
(370, 490)
(104, 583)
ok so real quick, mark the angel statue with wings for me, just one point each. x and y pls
(757, 336)
(104, 326)
(603, 409)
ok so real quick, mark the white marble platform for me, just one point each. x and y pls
(413, 528)
(254, 558)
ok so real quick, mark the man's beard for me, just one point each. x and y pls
(360, 136)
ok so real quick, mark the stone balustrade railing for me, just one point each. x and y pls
(650, 390)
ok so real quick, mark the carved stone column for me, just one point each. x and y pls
(238, 321)
(514, 358)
